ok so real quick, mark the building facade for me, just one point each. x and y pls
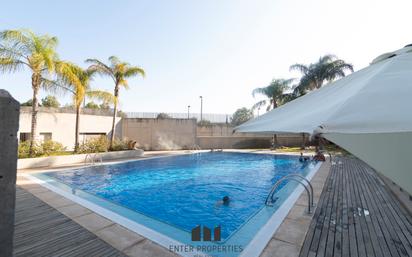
(58, 124)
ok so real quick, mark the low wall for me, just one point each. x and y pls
(51, 161)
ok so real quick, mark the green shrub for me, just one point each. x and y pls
(95, 145)
(46, 148)
(51, 147)
(163, 116)
(120, 145)
(24, 147)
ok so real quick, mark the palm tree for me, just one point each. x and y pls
(275, 93)
(78, 80)
(119, 71)
(24, 49)
(327, 68)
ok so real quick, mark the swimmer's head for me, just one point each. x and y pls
(226, 199)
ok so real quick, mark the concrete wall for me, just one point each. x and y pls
(150, 134)
(61, 123)
(9, 123)
(222, 136)
(160, 134)
(168, 134)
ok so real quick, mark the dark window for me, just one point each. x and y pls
(24, 137)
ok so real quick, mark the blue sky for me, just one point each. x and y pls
(221, 50)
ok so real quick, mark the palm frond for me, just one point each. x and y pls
(7, 51)
(8, 64)
(100, 68)
(327, 68)
(56, 87)
(21, 36)
(38, 52)
(114, 60)
(102, 95)
(259, 105)
(299, 67)
(134, 71)
(259, 91)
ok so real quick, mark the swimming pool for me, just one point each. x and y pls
(176, 194)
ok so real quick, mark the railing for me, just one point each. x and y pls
(92, 158)
(295, 177)
(212, 117)
(195, 148)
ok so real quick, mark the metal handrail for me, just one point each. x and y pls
(305, 179)
(93, 158)
(90, 157)
(269, 199)
(96, 155)
(195, 148)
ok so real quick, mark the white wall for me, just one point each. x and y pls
(62, 125)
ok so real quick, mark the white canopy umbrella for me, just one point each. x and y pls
(368, 112)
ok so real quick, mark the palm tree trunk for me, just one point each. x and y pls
(275, 105)
(116, 97)
(35, 82)
(76, 137)
(319, 84)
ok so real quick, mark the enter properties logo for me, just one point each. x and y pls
(204, 234)
(207, 236)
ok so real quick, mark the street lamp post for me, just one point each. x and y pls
(201, 108)
(188, 112)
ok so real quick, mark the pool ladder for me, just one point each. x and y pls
(93, 158)
(298, 178)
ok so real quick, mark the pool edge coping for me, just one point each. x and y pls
(262, 238)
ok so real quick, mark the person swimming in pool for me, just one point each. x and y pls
(225, 201)
(303, 158)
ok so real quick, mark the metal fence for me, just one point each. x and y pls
(212, 117)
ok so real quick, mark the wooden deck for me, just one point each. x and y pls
(357, 216)
(41, 230)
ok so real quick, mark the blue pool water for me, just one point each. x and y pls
(184, 191)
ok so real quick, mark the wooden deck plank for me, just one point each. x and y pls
(318, 213)
(333, 233)
(357, 216)
(381, 249)
(345, 218)
(396, 226)
(324, 228)
(41, 230)
(370, 238)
